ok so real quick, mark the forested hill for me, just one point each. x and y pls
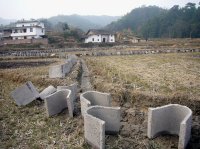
(154, 22)
(136, 18)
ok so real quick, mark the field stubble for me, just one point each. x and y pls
(141, 81)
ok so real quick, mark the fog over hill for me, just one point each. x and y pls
(82, 22)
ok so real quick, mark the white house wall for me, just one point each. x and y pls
(30, 24)
(39, 31)
(36, 31)
(111, 38)
(93, 38)
(99, 38)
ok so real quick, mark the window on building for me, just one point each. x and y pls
(31, 29)
(15, 30)
(92, 39)
(111, 40)
(98, 39)
(23, 25)
(42, 30)
(24, 30)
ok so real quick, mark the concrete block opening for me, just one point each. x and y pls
(92, 98)
(98, 121)
(173, 119)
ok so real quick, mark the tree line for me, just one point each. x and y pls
(155, 22)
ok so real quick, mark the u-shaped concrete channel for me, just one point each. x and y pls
(173, 119)
(99, 117)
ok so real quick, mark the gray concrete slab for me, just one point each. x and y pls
(58, 101)
(73, 59)
(25, 94)
(56, 71)
(92, 98)
(47, 91)
(60, 71)
(98, 121)
(73, 88)
(172, 118)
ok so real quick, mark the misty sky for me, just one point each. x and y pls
(18, 9)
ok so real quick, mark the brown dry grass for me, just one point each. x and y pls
(138, 82)
(164, 74)
(28, 126)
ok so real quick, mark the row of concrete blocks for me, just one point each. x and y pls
(85, 78)
(100, 118)
(56, 100)
(133, 52)
(60, 71)
(47, 53)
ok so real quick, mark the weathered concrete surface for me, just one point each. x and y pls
(73, 89)
(99, 120)
(173, 119)
(60, 71)
(92, 98)
(56, 71)
(47, 91)
(85, 78)
(25, 94)
(58, 101)
(72, 58)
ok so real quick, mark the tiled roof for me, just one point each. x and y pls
(98, 32)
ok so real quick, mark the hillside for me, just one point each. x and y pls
(155, 22)
(83, 22)
(176, 23)
(5, 21)
(77, 21)
(136, 18)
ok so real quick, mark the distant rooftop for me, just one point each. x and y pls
(98, 31)
(27, 21)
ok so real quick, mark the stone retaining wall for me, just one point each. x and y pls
(93, 52)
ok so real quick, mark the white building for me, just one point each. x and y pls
(31, 29)
(99, 36)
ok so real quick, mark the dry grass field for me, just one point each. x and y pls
(138, 82)
(135, 82)
(163, 74)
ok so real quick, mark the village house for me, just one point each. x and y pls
(22, 32)
(24, 29)
(28, 29)
(99, 36)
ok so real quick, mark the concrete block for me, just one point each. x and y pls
(73, 89)
(67, 68)
(56, 71)
(173, 119)
(98, 121)
(25, 94)
(58, 101)
(47, 91)
(60, 71)
(72, 59)
(92, 98)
